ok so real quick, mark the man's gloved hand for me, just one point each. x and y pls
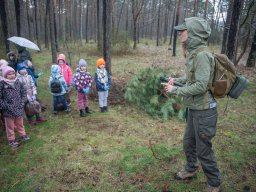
(86, 90)
(40, 74)
(106, 87)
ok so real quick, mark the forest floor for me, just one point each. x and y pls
(125, 149)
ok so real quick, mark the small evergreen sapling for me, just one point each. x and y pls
(145, 90)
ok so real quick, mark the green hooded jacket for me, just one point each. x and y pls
(199, 66)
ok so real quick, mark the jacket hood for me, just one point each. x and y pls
(198, 32)
(11, 53)
(61, 57)
(55, 70)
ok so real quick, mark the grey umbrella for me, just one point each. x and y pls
(24, 42)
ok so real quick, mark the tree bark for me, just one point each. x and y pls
(107, 32)
(175, 32)
(227, 28)
(158, 24)
(99, 25)
(231, 45)
(55, 25)
(17, 11)
(86, 22)
(252, 55)
(4, 24)
(37, 23)
(46, 22)
(52, 31)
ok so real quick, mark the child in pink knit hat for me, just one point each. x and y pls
(12, 100)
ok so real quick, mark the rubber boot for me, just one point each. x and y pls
(87, 110)
(105, 108)
(102, 109)
(82, 114)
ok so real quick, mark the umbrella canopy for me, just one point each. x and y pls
(24, 42)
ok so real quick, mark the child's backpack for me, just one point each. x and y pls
(225, 80)
(55, 85)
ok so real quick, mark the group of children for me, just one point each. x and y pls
(62, 81)
(18, 87)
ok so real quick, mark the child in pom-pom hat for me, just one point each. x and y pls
(12, 100)
(83, 83)
(103, 83)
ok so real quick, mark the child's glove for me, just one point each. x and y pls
(106, 87)
(40, 74)
(86, 90)
(33, 97)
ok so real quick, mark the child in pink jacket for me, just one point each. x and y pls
(66, 72)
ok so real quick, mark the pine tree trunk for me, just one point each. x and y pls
(4, 24)
(55, 25)
(175, 32)
(227, 28)
(107, 32)
(17, 11)
(158, 24)
(52, 31)
(252, 55)
(28, 20)
(86, 24)
(46, 22)
(234, 27)
(37, 23)
(99, 25)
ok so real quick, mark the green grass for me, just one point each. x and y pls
(124, 149)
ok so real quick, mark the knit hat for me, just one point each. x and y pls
(100, 62)
(20, 67)
(3, 63)
(82, 62)
(7, 70)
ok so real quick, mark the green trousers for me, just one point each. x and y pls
(197, 145)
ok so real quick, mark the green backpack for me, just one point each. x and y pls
(225, 80)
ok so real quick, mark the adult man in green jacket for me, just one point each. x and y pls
(200, 104)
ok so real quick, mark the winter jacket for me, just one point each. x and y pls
(82, 79)
(28, 84)
(30, 70)
(55, 73)
(65, 70)
(100, 83)
(198, 69)
(12, 99)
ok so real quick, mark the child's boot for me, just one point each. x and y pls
(105, 108)
(40, 120)
(82, 114)
(87, 110)
(31, 121)
(13, 144)
(102, 109)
